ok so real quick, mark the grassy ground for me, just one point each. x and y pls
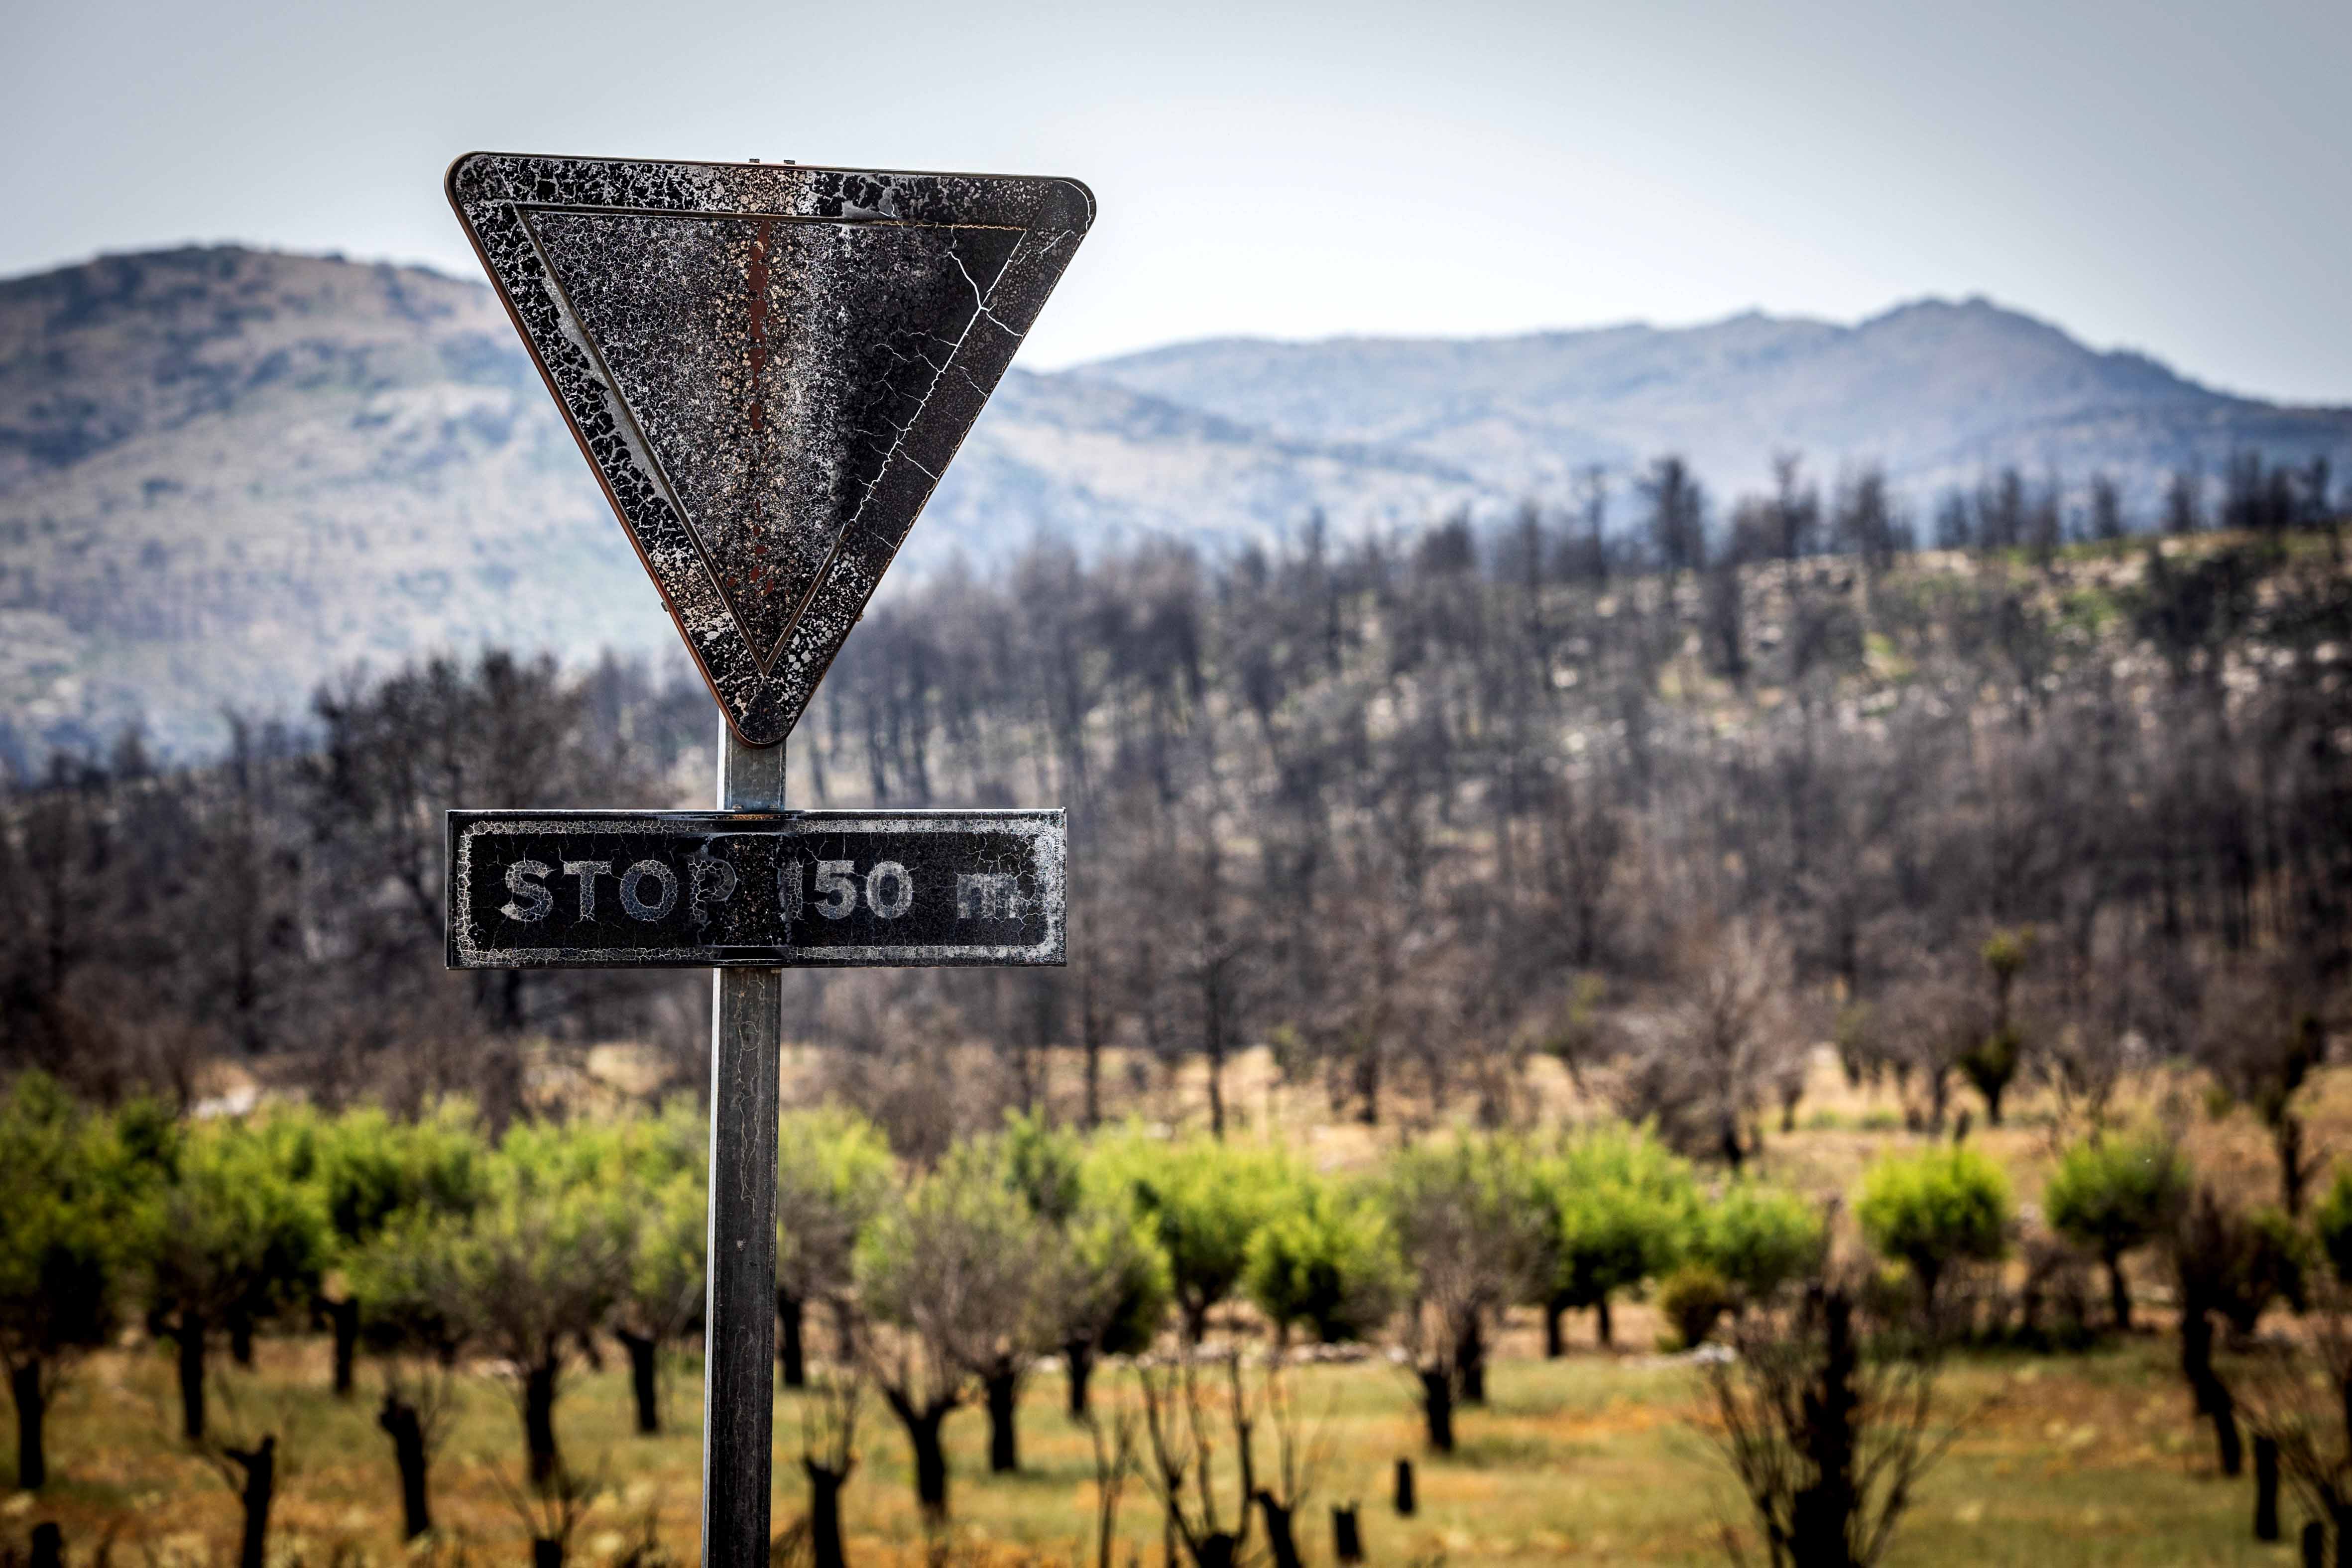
(1593, 1459)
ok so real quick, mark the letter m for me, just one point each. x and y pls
(987, 895)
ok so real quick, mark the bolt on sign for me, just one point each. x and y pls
(768, 366)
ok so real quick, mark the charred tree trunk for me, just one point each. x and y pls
(791, 1357)
(538, 1422)
(546, 1552)
(190, 1334)
(1196, 1321)
(645, 1378)
(1094, 1082)
(2205, 1386)
(1555, 1335)
(825, 1514)
(48, 1545)
(1470, 1363)
(1437, 1406)
(844, 1329)
(1822, 1510)
(922, 1426)
(2119, 1294)
(1280, 1542)
(2295, 1169)
(405, 1427)
(1216, 1054)
(1602, 1328)
(1078, 1359)
(1347, 1535)
(931, 1464)
(2266, 1489)
(1003, 1386)
(32, 1406)
(240, 1337)
(260, 1467)
(344, 1316)
(1091, 1023)
(1405, 1500)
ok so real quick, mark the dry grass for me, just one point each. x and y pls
(1593, 1459)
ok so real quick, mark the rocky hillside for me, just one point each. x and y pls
(226, 476)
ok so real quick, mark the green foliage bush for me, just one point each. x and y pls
(373, 1169)
(1107, 1280)
(1933, 1210)
(1473, 1242)
(1758, 1239)
(1046, 1163)
(1693, 1299)
(231, 1230)
(68, 1183)
(2111, 1195)
(1328, 1259)
(1614, 1207)
(1118, 1284)
(833, 1173)
(1204, 1199)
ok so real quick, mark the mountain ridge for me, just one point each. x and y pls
(228, 474)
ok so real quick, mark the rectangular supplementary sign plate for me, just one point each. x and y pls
(758, 890)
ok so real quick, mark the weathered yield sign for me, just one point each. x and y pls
(768, 366)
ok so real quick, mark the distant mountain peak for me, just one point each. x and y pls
(229, 474)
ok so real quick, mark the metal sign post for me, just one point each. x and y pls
(768, 366)
(739, 1319)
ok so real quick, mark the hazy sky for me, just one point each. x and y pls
(2163, 177)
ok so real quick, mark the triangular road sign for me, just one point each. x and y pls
(768, 366)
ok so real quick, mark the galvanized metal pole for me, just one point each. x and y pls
(740, 1326)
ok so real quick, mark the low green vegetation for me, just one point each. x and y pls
(1935, 1210)
(1111, 1306)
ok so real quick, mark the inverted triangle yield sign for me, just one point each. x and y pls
(768, 366)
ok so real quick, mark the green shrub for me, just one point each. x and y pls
(1934, 1209)
(1046, 1163)
(1694, 1298)
(2110, 1196)
(1118, 1284)
(833, 1174)
(69, 1183)
(1616, 1208)
(1203, 1200)
(1758, 1239)
(373, 1168)
(1327, 1260)
(227, 1240)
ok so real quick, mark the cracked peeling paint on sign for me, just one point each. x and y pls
(765, 890)
(768, 366)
